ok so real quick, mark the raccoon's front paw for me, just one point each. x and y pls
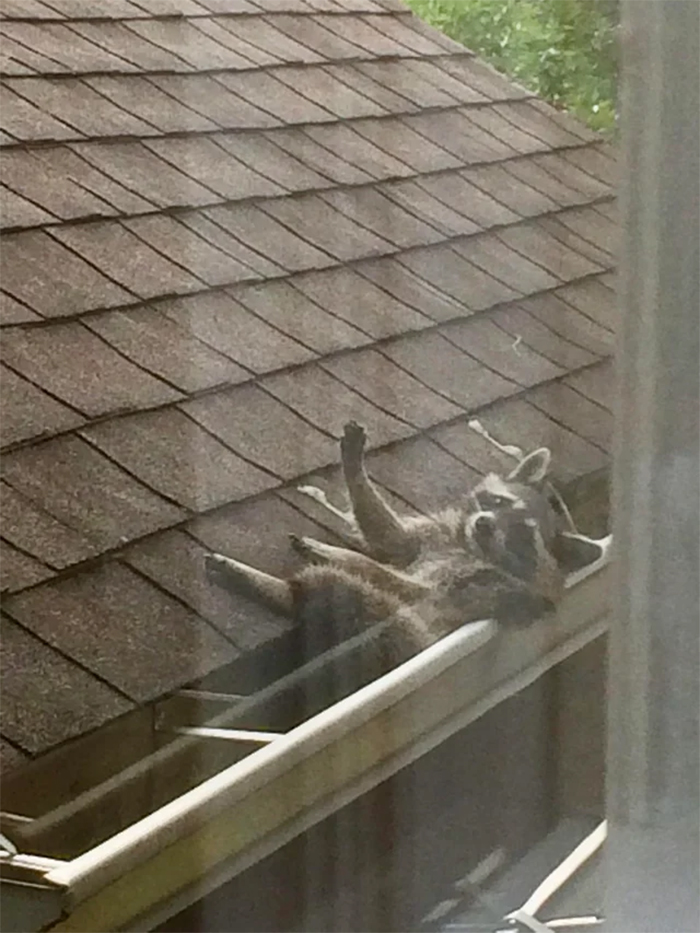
(215, 568)
(310, 550)
(297, 544)
(352, 445)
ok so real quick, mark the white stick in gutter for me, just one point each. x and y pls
(605, 545)
(561, 874)
(510, 449)
(528, 921)
(318, 495)
(561, 923)
(231, 735)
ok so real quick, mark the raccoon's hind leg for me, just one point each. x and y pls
(386, 535)
(318, 552)
(379, 575)
(333, 604)
(239, 578)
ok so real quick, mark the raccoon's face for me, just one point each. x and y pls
(509, 538)
(513, 540)
(524, 496)
(521, 516)
(512, 503)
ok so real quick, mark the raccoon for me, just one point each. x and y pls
(492, 556)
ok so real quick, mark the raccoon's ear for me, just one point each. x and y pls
(573, 551)
(532, 469)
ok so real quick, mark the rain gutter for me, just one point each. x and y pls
(167, 860)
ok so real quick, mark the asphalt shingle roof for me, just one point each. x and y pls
(228, 227)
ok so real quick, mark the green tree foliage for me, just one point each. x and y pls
(565, 50)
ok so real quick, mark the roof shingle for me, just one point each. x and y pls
(118, 625)
(63, 49)
(28, 412)
(259, 231)
(76, 104)
(134, 52)
(440, 364)
(287, 308)
(19, 571)
(352, 297)
(395, 279)
(76, 366)
(307, 391)
(37, 179)
(566, 321)
(517, 421)
(482, 77)
(83, 489)
(46, 697)
(170, 453)
(499, 181)
(422, 473)
(325, 227)
(53, 280)
(390, 388)
(359, 150)
(448, 270)
(251, 422)
(317, 85)
(73, 162)
(501, 351)
(160, 345)
(265, 92)
(220, 321)
(433, 210)
(16, 211)
(175, 562)
(127, 260)
(38, 533)
(491, 255)
(145, 174)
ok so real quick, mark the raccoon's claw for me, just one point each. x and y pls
(354, 433)
(352, 445)
(305, 548)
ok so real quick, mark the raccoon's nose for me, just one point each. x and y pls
(485, 524)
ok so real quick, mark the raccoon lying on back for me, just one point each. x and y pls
(497, 555)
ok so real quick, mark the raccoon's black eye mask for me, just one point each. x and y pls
(491, 500)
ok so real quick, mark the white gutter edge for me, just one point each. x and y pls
(202, 803)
